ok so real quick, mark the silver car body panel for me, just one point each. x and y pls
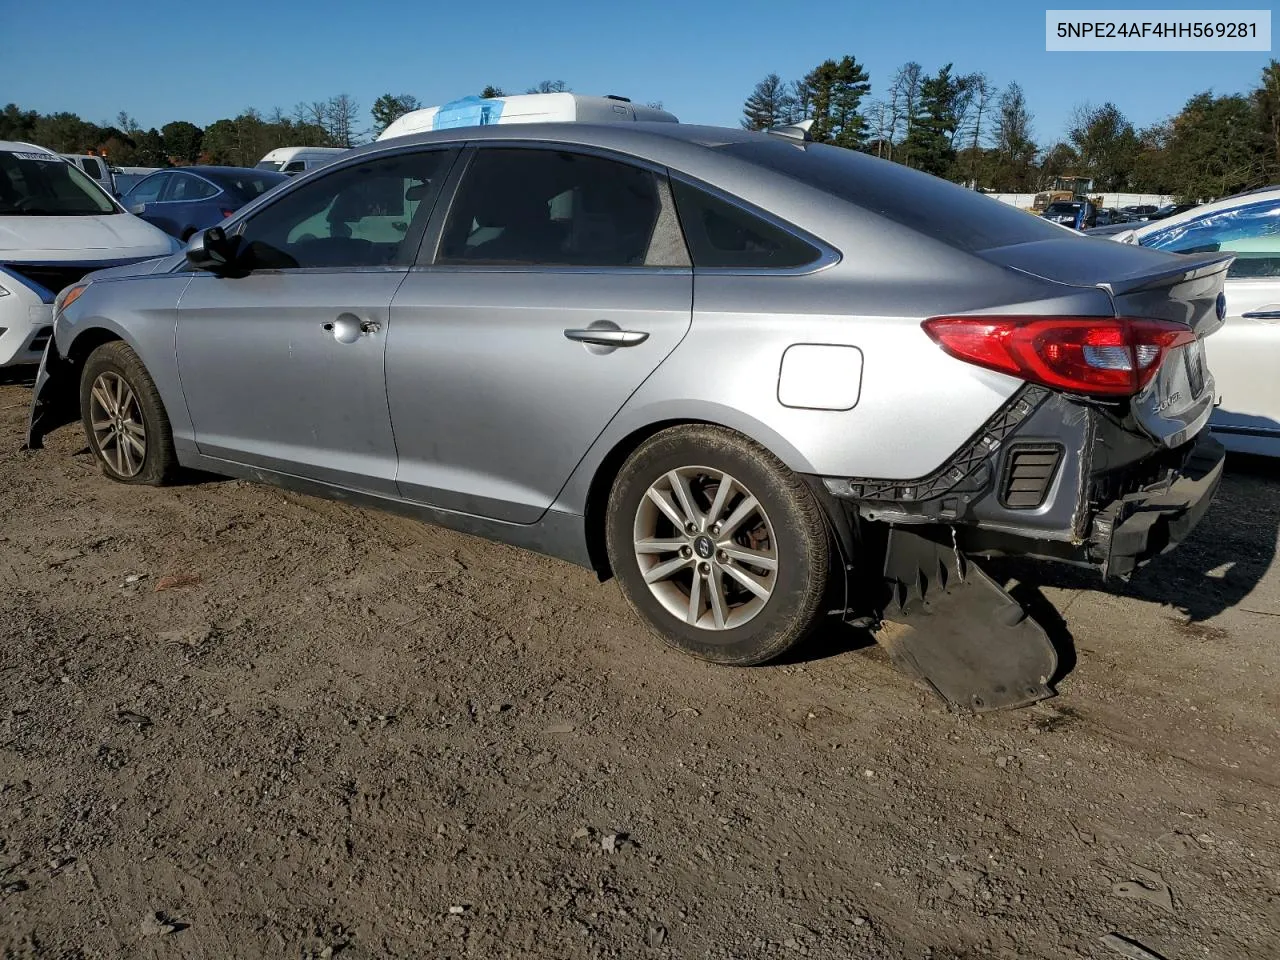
(467, 400)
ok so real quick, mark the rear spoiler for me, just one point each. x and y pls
(1193, 267)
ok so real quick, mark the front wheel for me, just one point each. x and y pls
(721, 548)
(124, 419)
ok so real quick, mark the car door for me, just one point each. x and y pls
(559, 282)
(142, 199)
(1243, 354)
(282, 367)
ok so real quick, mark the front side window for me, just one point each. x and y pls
(148, 191)
(524, 206)
(1251, 232)
(187, 187)
(295, 166)
(371, 214)
(40, 184)
(722, 234)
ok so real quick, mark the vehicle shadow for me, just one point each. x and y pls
(20, 376)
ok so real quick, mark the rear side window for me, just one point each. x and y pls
(926, 204)
(295, 166)
(722, 234)
(558, 208)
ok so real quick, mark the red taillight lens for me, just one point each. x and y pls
(227, 213)
(1109, 356)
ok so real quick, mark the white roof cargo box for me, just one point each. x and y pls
(524, 108)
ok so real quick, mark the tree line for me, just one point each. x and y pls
(964, 128)
(240, 141)
(960, 126)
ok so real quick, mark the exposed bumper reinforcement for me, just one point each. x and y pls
(1130, 531)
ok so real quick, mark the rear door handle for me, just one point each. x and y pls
(604, 337)
(1262, 315)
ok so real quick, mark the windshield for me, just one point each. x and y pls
(269, 165)
(1062, 208)
(244, 184)
(38, 184)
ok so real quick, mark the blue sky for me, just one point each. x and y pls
(174, 60)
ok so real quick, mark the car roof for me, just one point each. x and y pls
(19, 146)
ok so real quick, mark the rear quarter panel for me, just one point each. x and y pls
(914, 405)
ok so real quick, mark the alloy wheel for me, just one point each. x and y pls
(706, 548)
(118, 427)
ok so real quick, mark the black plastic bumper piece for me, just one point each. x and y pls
(970, 642)
(1133, 529)
(55, 398)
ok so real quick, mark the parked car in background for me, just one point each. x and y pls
(56, 225)
(1171, 209)
(686, 357)
(1138, 213)
(1079, 214)
(96, 168)
(186, 199)
(295, 160)
(1245, 354)
(1106, 217)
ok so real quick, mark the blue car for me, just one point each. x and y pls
(183, 200)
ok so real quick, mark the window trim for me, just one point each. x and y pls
(174, 174)
(828, 256)
(150, 176)
(430, 250)
(451, 149)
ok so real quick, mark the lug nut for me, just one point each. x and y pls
(690, 528)
(704, 568)
(686, 551)
(722, 557)
(715, 529)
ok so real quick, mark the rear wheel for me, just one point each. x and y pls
(124, 419)
(721, 548)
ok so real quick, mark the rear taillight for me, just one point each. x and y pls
(1108, 356)
(227, 213)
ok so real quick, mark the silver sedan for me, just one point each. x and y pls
(758, 380)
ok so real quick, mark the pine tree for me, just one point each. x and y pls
(771, 104)
(831, 94)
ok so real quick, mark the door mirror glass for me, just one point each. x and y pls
(138, 209)
(213, 251)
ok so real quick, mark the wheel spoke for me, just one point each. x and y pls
(119, 455)
(100, 425)
(119, 394)
(135, 443)
(101, 394)
(719, 606)
(136, 429)
(695, 599)
(664, 504)
(750, 581)
(665, 569)
(684, 497)
(755, 558)
(723, 492)
(660, 545)
(127, 453)
(744, 509)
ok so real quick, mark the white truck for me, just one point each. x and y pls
(524, 108)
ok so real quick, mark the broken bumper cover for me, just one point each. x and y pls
(1131, 530)
(55, 398)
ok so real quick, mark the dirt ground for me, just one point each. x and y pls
(239, 722)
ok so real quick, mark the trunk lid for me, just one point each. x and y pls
(1181, 288)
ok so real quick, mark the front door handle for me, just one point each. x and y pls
(605, 337)
(1265, 314)
(349, 328)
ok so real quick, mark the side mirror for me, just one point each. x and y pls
(212, 250)
(138, 209)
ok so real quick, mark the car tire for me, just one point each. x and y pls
(677, 475)
(124, 419)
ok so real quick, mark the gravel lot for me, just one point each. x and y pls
(239, 722)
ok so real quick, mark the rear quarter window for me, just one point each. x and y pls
(926, 204)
